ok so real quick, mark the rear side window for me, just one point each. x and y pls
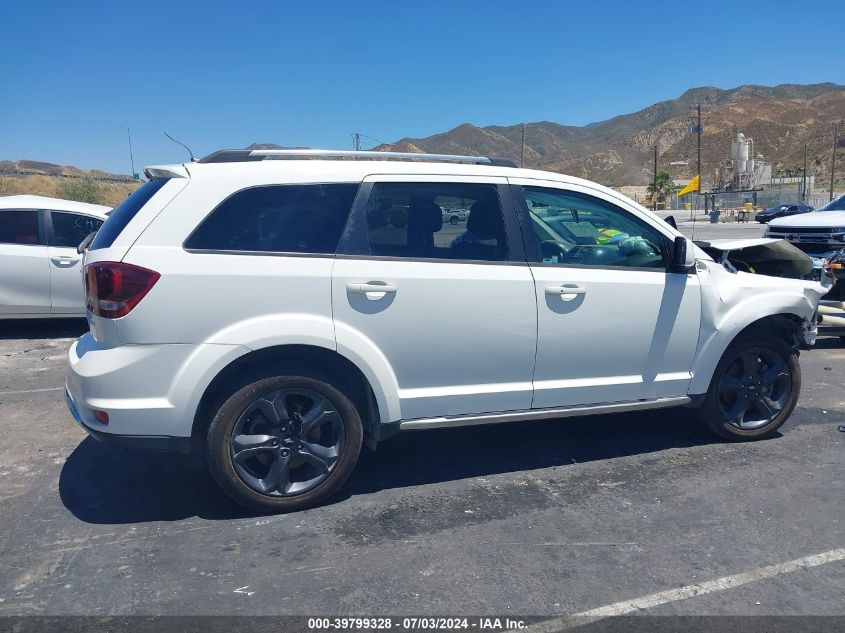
(69, 229)
(418, 220)
(277, 218)
(19, 227)
(124, 212)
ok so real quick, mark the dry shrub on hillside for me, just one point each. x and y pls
(110, 193)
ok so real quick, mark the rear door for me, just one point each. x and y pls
(24, 268)
(65, 231)
(450, 307)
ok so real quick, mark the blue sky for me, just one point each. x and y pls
(219, 75)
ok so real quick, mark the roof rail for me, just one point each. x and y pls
(244, 155)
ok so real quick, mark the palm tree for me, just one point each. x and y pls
(663, 187)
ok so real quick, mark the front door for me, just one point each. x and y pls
(449, 306)
(67, 291)
(613, 324)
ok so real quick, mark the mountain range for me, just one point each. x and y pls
(619, 151)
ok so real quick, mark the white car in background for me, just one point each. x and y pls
(455, 216)
(821, 235)
(40, 270)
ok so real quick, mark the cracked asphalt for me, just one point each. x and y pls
(543, 518)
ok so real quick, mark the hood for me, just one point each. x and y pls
(764, 256)
(816, 219)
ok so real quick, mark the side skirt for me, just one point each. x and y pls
(539, 414)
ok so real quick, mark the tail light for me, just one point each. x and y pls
(112, 289)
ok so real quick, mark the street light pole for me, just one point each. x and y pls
(129, 137)
(131, 157)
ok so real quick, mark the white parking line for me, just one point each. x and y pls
(689, 591)
(9, 393)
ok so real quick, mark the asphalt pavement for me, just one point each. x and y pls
(544, 518)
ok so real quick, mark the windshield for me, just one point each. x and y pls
(837, 204)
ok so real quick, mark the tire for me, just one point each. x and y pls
(454, 220)
(730, 388)
(301, 438)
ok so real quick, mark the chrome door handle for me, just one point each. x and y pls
(566, 292)
(372, 287)
(64, 259)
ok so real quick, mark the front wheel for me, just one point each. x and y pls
(754, 389)
(284, 443)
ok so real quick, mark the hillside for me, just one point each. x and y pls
(619, 151)
(56, 181)
(39, 168)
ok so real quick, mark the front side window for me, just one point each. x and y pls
(436, 221)
(19, 227)
(277, 218)
(69, 229)
(579, 230)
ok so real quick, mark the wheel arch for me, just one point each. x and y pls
(785, 325)
(310, 359)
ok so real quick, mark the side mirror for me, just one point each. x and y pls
(679, 254)
(671, 222)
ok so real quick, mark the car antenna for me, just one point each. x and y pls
(193, 160)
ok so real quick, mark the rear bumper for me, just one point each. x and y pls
(149, 442)
(150, 392)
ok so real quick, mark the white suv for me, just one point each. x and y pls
(269, 312)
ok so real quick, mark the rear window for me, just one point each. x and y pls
(124, 212)
(277, 218)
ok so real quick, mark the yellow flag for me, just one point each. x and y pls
(692, 185)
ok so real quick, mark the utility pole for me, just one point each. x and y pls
(804, 177)
(358, 142)
(654, 185)
(698, 129)
(833, 158)
(522, 163)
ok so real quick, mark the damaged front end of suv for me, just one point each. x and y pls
(780, 260)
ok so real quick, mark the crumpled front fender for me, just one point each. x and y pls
(730, 302)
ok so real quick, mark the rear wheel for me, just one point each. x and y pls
(754, 389)
(284, 443)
